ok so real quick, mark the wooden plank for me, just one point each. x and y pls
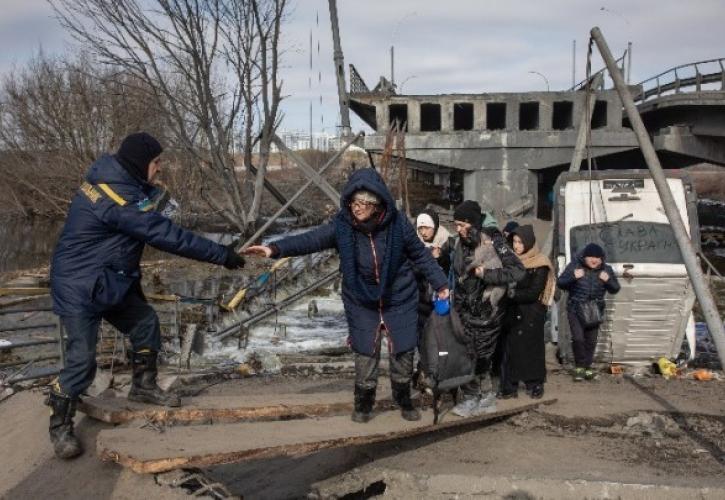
(216, 409)
(23, 291)
(144, 450)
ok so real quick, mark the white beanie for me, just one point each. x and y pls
(424, 220)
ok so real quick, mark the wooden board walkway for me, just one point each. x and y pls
(224, 409)
(145, 450)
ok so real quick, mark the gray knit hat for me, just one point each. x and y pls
(366, 196)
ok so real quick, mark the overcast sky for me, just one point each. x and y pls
(441, 46)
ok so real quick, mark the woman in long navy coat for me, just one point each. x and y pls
(378, 248)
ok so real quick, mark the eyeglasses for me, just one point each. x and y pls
(361, 204)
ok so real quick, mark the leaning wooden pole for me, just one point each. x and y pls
(585, 123)
(689, 255)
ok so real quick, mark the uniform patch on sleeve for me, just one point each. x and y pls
(91, 193)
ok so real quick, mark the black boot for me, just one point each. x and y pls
(537, 391)
(401, 396)
(144, 388)
(63, 408)
(364, 401)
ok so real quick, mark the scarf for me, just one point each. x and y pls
(532, 259)
(390, 262)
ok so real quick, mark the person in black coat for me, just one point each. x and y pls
(524, 349)
(378, 249)
(482, 319)
(586, 278)
(95, 275)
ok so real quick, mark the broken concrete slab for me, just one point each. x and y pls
(147, 451)
(397, 484)
(102, 382)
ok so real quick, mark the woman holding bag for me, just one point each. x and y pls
(587, 278)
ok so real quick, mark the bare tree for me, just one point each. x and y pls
(56, 117)
(214, 66)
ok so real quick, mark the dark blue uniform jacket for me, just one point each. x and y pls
(96, 260)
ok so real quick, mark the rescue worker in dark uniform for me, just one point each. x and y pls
(95, 274)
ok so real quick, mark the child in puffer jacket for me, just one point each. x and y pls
(586, 278)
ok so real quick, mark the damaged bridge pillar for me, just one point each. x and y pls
(382, 116)
(479, 115)
(413, 116)
(447, 116)
(497, 188)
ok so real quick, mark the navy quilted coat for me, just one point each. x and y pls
(588, 287)
(370, 260)
(96, 260)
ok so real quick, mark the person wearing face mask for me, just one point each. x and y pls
(524, 346)
(482, 319)
(95, 274)
(587, 278)
(378, 250)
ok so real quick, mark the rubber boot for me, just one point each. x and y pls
(364, 401)
(401, 396)
(63, 408)
(144, 388)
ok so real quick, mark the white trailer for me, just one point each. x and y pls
(622, 211)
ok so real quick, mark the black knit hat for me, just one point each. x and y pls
(510, 226)
(468, 211)
(593, 250)
(136, 152)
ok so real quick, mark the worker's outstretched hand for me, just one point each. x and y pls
(233, 260)
(262, 250)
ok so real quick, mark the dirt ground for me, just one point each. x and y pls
(642, 430)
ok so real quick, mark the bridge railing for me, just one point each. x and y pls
(674, 81)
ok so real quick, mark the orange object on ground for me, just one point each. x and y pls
(616, 369)
(702, 374)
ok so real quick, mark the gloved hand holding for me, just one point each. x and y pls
(234, 260)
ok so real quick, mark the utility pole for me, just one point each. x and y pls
(629, 62)
(392, 65)
(585, 122)
(689, 256)
(573, 63)
(340, 71)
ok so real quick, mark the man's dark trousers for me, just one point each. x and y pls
(133, 317)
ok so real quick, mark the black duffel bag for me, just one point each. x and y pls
(446, 353)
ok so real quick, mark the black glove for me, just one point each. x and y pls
(234, 260)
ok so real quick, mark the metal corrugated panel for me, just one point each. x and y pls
(645, 320)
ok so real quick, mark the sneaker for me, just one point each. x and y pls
(507, 394)
(466, 407)
(486, 404)
(590, 374)
(578, 374)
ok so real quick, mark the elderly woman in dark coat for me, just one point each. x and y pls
(523, 358)
(378, 248)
